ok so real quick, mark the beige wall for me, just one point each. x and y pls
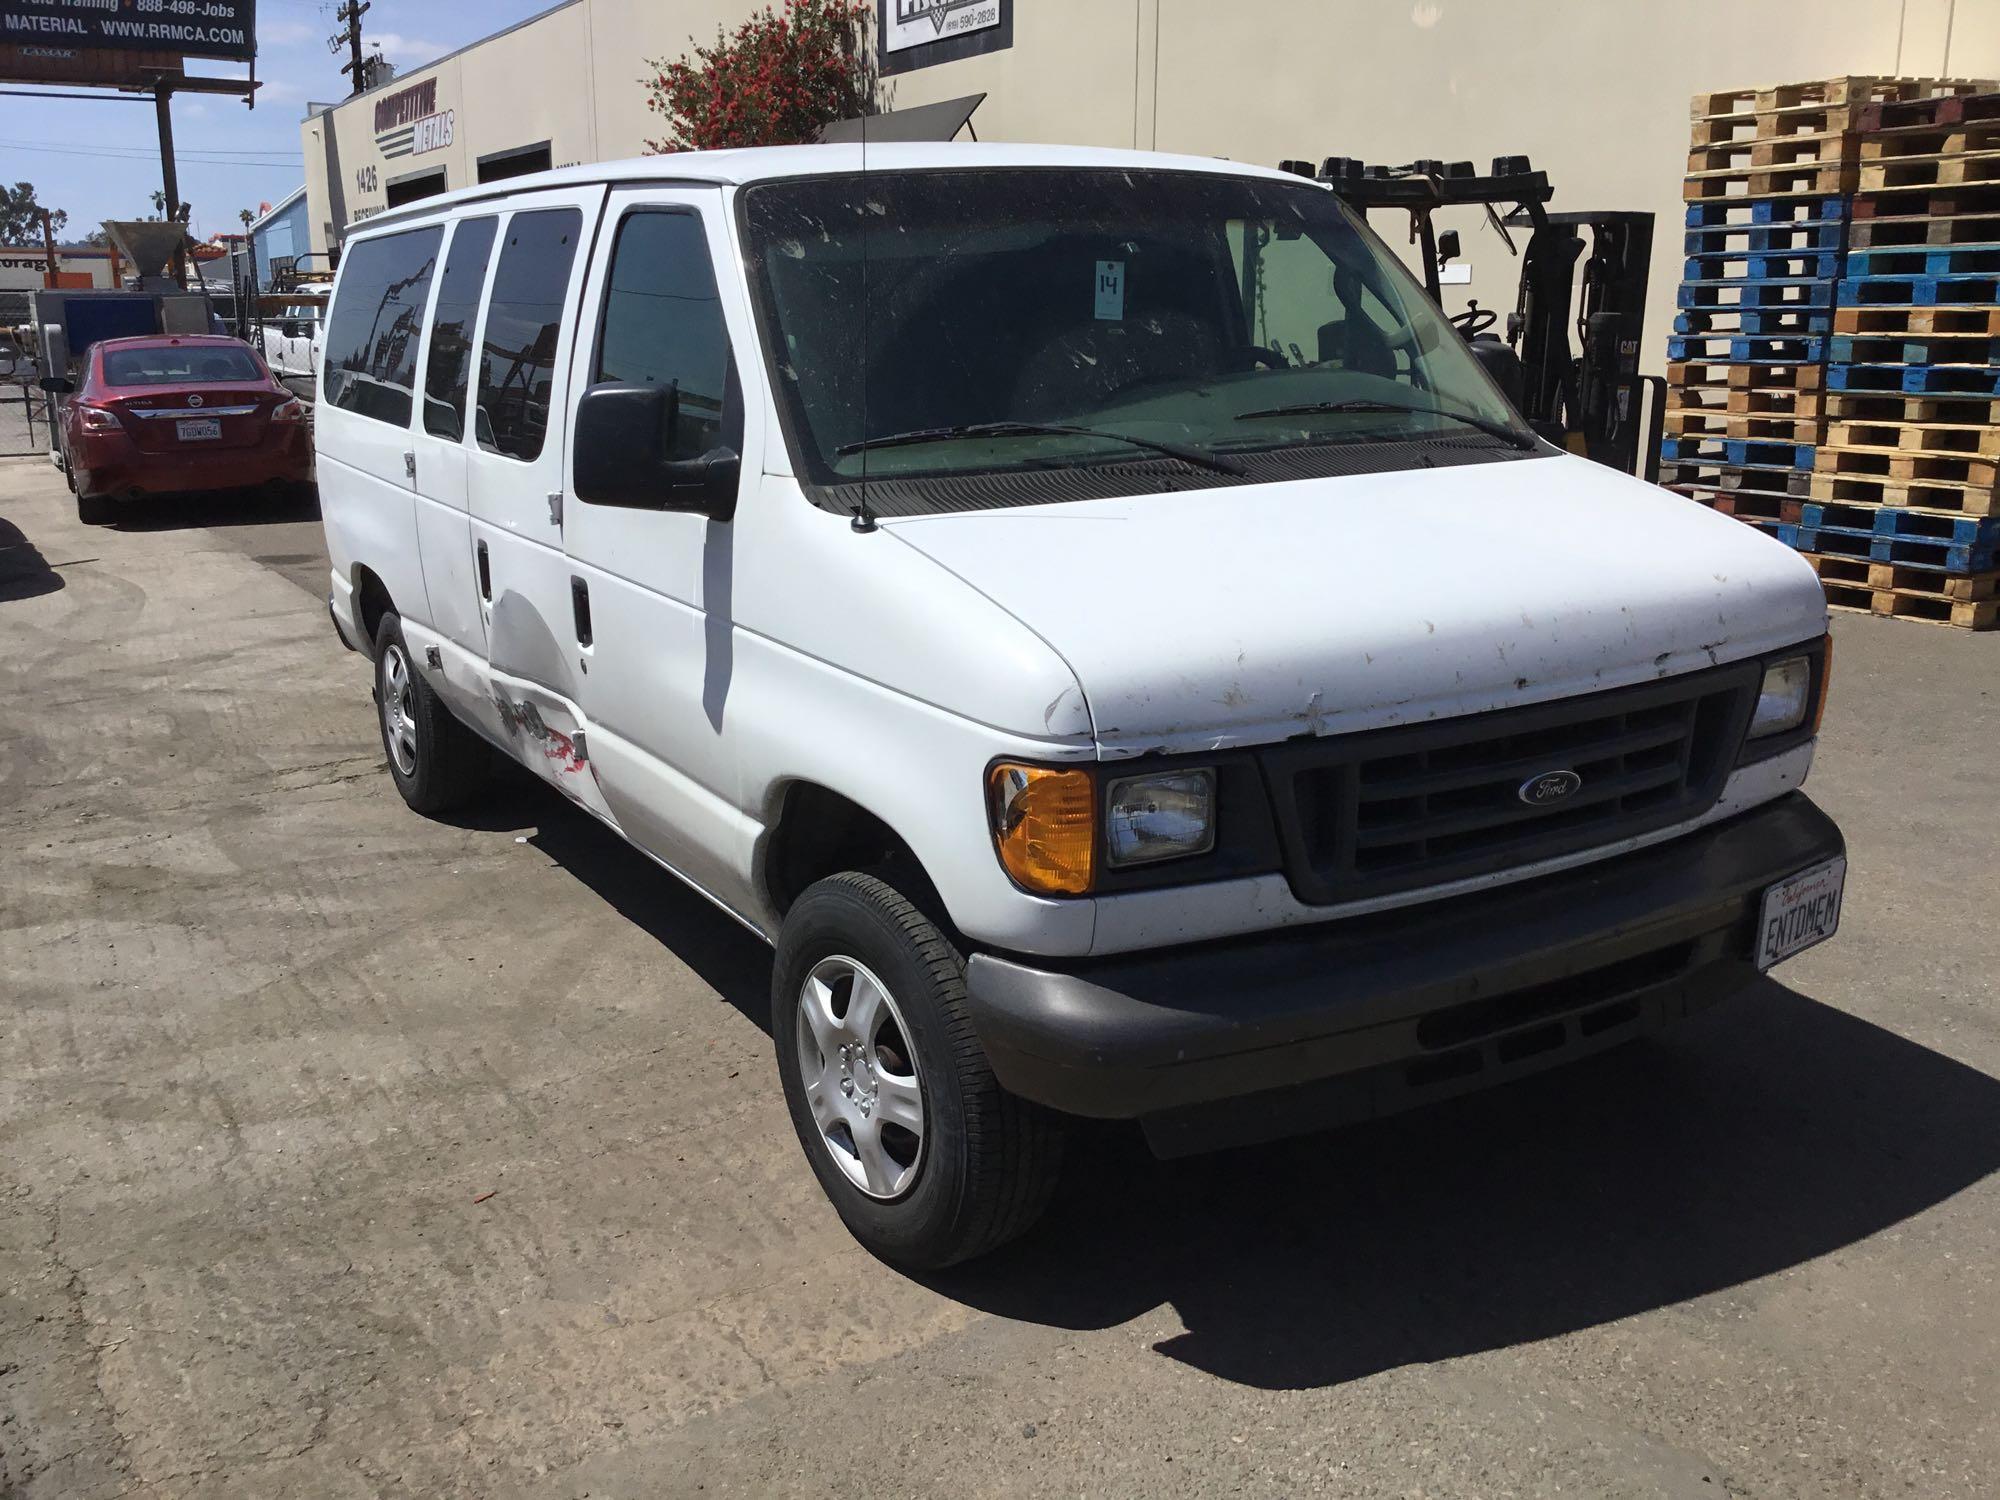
(1595, 91)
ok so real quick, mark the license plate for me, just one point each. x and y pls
(1800, 911)
(199, 429)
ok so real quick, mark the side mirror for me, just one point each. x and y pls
(1448, 246)
(620, 443)
(57, 385)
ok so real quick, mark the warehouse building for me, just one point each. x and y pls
(1595, 93)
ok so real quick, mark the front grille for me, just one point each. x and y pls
(1372, 814)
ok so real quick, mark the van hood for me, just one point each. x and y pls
(1209, 618)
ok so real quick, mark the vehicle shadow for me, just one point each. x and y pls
(232, 508)
(728, 959)
(1759, 1135)
(1767, 1132)
(24, 572)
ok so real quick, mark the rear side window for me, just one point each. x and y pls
(663, 325)
(523, 326)
(372, 338)
(448, 369)
(173, 364)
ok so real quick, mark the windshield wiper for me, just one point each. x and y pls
(1181, 451)
(1506, 432)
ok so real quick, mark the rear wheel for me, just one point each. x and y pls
(436, 762)
(95, 510)
(926, 1158)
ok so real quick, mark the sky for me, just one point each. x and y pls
(100, 159)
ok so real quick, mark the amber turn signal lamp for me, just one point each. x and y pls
(1825, 681)
(1045, 826)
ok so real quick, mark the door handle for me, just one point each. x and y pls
(579, 603)
(410, 465)
(485, 574)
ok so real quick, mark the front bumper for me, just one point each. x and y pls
(1367, 1015)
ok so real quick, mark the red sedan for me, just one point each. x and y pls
(165, 415)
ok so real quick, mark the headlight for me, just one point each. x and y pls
(1786, 698)
(1045, 827)
(1148, 818)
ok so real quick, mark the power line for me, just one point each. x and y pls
(231, 153)
(278, 166)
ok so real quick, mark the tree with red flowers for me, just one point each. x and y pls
(773, 82)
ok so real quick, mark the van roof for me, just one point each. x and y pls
(765, 163)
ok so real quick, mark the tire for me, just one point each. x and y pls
(983, 1163)
(436, 762)
(95, 510)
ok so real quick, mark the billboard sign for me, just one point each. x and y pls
(918, 33)
(190, 28)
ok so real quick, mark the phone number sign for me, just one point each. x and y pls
(193, 28)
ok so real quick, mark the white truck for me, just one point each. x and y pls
(1090, 614)
(292, 340)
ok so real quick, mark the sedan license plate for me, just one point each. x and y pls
(1800, 911)
(199, 429)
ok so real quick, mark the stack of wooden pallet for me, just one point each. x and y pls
(1905, 509)
(1769, 174)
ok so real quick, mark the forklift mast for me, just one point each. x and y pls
(1591, 394)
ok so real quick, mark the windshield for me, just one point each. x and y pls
(1230, 315)
(176, 364)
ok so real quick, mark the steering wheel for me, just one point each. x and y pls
(1474, 320)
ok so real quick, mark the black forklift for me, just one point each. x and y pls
(1588, 397)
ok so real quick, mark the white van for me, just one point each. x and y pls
(1090, 614)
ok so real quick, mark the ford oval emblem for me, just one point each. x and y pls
(195, 399)
(1549, 788)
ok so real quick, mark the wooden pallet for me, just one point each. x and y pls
(1896, 406)
(1933, 438)
(1961, 169)
(1773, 124)
(1898, 604)
(1919, 140)
(1756, 507)
(1793, 181)
(1858, 570)
(1692, 422)
(1971, 471)
(1935, 111)
(1947, 321)
(1937, 496)
(1848, 89)
(1746, 377)
(1770, 151)
(1889, 233)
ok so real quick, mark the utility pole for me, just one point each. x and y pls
(351, 13)
(170, 208)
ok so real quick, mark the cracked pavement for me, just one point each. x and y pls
(266, 1038)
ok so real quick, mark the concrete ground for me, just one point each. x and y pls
(344, 1153)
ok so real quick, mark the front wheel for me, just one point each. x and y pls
(926, 1158)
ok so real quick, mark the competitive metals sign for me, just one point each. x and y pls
(191, 28)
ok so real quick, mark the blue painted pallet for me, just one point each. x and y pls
(1799, 237)
(1769, 291)
(1925, 260)
(1777, 209)
(1740, 349)
(1899, 521)
(1912, 551)
(1752, 453)
(1918, 291)
(1926, 349)
(1763, 321)
(1762, 265)
(1916, 380)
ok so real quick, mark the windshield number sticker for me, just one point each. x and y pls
(1111, 290)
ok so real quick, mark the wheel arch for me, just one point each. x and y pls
(816, 831)
(371, 601)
